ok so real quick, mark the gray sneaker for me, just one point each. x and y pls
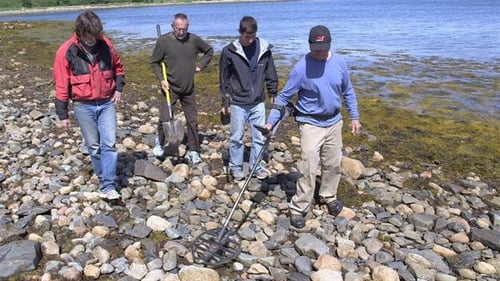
(110, 195)
(158, 149)
(194, 157)
(261, 174)
(238, 176)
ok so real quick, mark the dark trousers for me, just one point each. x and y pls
(188, 103)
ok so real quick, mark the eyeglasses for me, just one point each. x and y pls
(178, 29)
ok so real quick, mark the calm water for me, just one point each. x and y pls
(457, 29)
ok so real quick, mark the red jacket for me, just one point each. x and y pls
(78, 78)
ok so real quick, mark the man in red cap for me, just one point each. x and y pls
(320, 80)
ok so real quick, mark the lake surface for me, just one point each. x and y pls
(456, 29)
(446, 51)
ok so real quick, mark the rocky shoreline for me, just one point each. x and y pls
(54, 226)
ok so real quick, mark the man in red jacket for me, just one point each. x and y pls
(89, 71)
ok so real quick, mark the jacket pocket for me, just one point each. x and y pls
(80, 87)
(108, 84)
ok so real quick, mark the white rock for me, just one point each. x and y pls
(157, 223)
(326, 275)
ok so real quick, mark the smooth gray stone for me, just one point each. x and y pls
(145, 169)
(436, 260)
(303, 264)
(422, 221)
(383, 257)
(311, 246)
(19, 256)
(7, 231)
(279, 274)
(454, 188)
(490, 238)
(37, 210)
(139, 231)
(295, 276)
(463, 260)
(105, 220)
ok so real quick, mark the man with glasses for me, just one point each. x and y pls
(89, 71)
(179, 49)
(246, 69)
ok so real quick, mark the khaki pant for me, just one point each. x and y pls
(320, 146)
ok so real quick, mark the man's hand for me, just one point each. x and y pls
(117, 97)
(355, 127)
(66, 124)
(197, 69)
(225, 110)
(164, 85)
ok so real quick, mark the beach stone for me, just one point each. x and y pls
(145, 169)
(311, 246)
(326, 261)
(154, 275)
(460, 237)
(419, 266)
(444, 277)
(91, 271)
(137, 270)
(443, 251)
(157, 223)
(169, 261)
(303, 264)
(422, 222)
(467, 273)
(19, 256)
(352, 168)
(384, 273)
(146, 129)
(490, 238)
(195, 273)
(70, 273)
(50, 248)
(101, 254)
(484, 268)
(372, 245)
(120, 264)
(107, 268)
(258, 249)
(383, 257)
(326, 275)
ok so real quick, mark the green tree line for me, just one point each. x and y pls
(19, 4)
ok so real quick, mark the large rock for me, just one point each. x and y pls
(19, 256)
(145, 169)
(490, 238)
(311, 246)
(352, 168)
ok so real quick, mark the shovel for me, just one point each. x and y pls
(172, 129)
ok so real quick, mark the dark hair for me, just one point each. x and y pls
(88, 23)
(248, 25)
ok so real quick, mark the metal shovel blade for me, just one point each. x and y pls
(216, 247)
(174, 132)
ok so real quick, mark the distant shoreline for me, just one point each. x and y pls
(60, 9)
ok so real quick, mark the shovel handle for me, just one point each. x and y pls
(164, 73)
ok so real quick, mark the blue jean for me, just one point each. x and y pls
(97, 120)
(240, 115)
